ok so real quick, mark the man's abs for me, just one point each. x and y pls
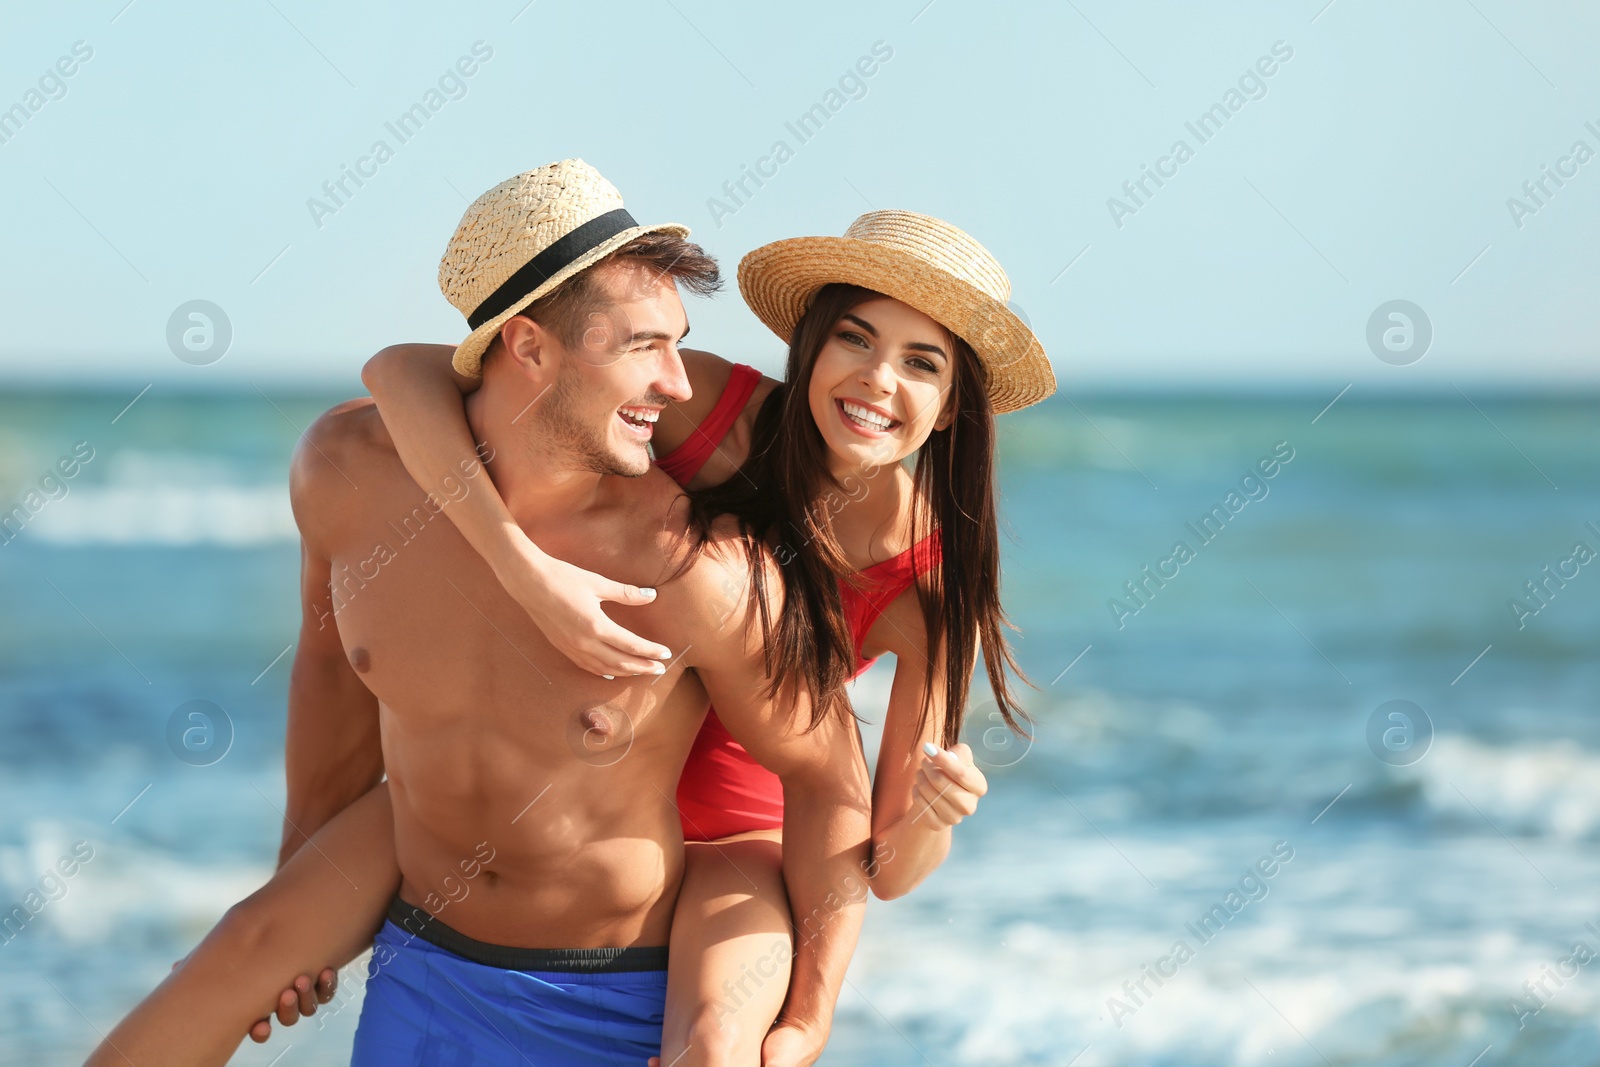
(546, 859)
(529, 811)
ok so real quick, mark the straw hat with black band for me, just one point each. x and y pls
(920, 261)
(523, 238)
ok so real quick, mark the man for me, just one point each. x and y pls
(535, 798)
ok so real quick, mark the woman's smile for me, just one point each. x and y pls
(865, 419)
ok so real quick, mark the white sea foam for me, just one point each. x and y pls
(235, 516)
(151, 498)
(1037, 991)
(1545, 788)
(125, 886)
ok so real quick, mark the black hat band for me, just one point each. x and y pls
(547, 264)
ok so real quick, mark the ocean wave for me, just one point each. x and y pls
(1281, 991)
(141, 497)
(124, 892)
(1161, 761)
(230, 515)
(1538, 788)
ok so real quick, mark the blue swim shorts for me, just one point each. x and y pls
(435, 996)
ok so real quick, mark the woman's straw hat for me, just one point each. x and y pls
(526, 236)
(921, 261)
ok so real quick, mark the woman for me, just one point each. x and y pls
(876, 559)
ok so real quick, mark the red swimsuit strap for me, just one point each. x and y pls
(882, 582)
(685, 461)
(878, 585)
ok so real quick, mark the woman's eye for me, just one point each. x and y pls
(852, 338)
(924, 365)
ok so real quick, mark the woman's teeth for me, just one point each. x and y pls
(866, 416)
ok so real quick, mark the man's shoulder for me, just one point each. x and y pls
(350, 424)
(346, 447)
(348, 434)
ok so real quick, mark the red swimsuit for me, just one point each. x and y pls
(724, 791)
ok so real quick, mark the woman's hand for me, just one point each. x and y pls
(564, 601)
(948, 785)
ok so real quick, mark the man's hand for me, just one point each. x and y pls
(300, 999)
(786, 1045)
(791, 1045)
(948, 786)
(564, 602)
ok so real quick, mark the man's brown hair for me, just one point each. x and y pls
(566, 312)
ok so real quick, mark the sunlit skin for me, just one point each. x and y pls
(641, 330)
(434, 676)
(893, 360)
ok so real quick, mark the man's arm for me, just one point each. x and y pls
(332, 754)
(419, 396)
(826, 793)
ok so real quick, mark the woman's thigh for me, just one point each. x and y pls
(730, 950)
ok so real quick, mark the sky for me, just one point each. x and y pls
(1368, 153)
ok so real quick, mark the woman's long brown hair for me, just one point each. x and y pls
(785, 497)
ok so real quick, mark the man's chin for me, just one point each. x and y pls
(629, 461)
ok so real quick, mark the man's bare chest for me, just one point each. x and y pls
(432, 633)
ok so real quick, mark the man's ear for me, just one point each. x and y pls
(526, 344)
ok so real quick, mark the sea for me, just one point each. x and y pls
(1319, 787)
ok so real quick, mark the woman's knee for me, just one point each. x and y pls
(723, 1036)
(734, 1022)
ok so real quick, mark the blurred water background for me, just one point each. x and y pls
(1175, 746)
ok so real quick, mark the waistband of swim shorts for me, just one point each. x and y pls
(416, 921)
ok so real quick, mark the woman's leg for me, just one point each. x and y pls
(321, 909)
(728, 968)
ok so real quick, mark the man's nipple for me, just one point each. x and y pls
(360, 659)
(597, 727)
(600, 736)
